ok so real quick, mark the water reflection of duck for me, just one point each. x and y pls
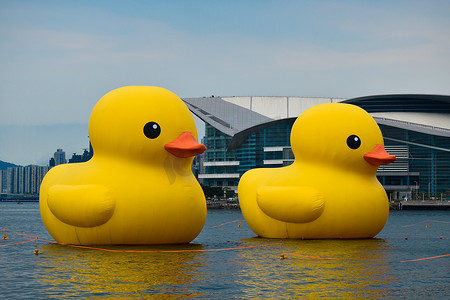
(330, 191)
(95, 273)
(138, 188)
(351, 269)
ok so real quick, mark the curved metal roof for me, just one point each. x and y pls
(241, 136)
(403, 103)
(224, 116)
(240, 122)
(429, 123)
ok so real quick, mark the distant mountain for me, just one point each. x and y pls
(4, 165)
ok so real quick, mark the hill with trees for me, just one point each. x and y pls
(5, 165)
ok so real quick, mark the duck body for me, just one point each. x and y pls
(331, 190)
(133, 190)
(318, 208)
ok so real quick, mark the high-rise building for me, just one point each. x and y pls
(60, 157)
(76, 158)
(22, 180)
(27, 180)
(3, 175)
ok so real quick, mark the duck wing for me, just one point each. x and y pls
(81, 205)
(291, 204)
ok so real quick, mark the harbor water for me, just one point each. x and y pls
(409, 259)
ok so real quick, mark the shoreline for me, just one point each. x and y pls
(234, 204)
(420, 205)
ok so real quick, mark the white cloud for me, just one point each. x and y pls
(55, 74)
(322, 58)
(57, 61)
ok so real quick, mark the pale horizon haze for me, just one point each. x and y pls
(58, 58)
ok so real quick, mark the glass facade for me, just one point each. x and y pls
(422, 169)
(217, 143)
(219, 164)
(224, 168)
(426, 171)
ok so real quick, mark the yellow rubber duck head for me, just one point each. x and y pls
(143, 123)
(339, 135)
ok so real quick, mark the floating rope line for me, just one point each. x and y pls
(228, 223)
(163, 251)
(222, 249)
(35, 238)
(425, 222)
(23, 242)
(425, 258)
(283, 255)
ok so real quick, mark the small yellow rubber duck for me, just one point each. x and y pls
(331, 190)
(138, 188)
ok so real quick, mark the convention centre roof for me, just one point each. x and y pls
(239, 117)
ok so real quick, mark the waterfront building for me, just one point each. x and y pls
(197, 164)
(59, 157)
(22, 180)
(27, 180)
(242, 133)
(3, 181)
(76, 158)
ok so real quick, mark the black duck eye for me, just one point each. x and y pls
(353, 142)
(152, 130)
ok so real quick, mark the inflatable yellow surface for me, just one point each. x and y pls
(138, 188)
(331, 190)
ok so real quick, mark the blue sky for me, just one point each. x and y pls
(58, 58)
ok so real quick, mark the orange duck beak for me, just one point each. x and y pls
(185, 146)
(378, 156)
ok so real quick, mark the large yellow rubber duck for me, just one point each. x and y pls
(138, 188)
(331, 190)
